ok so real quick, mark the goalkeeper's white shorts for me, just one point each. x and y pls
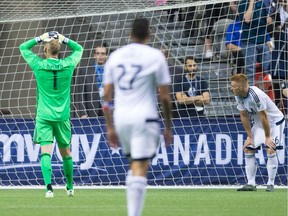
(139, 140)
(276, 132)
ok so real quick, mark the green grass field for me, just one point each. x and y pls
(159, 202)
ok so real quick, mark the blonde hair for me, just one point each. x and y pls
(54, 47)
(240, 78)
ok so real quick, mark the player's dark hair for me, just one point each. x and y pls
(190, 58)
(103, 45)
(140, 28)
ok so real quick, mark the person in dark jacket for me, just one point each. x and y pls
(88, 86)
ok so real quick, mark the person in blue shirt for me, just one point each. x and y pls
(89, 87)
(100, 57)
(233, 43)
(271, 8)
(253, 16)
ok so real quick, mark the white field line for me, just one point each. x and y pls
(149, 187)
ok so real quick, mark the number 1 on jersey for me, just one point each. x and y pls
(55, 80)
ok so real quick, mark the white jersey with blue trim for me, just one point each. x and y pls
(257, 101)
(136, 70)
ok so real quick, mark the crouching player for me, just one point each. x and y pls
(268, 128)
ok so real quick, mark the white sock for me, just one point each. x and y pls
(136, 190)
(272, 167)
(250, 168)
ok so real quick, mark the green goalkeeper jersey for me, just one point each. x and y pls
(53, 78)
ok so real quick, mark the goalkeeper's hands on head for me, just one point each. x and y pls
(62, 39)
(53, 35)
(47, 37)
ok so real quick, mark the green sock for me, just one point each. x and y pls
(46, 168)
(68, 171)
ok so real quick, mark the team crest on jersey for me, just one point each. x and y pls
(251, 104)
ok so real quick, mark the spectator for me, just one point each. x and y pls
(233, 44)
(271, 8)
(253, 15)
(213, 13)
(89, 87)
(191, 92)
(279, 66)
(219, 38)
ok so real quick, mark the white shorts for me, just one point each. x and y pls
(140, 139)
(276, 132)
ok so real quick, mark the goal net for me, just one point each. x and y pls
(207, 148)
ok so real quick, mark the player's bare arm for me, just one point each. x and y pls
(166, 104)
(245, 119)
(107, 109)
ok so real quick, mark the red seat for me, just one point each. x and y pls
(264, 82)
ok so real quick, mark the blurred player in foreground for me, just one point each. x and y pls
(53, 77)
(135, 72)
(268, 128)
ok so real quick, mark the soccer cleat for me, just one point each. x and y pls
(247, 188)
(70, 192)
(49, 194)
(270, 188)
(49, 191)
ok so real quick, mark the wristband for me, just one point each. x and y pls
(107, 105)
(38, 39)
(65, 41)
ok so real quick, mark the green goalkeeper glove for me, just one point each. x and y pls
(62, 39)
(47, 37)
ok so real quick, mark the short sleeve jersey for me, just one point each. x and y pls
(53, 78)
(257, 101)
(136, 70)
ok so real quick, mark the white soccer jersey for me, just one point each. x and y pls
(136, 70)
(257, 101)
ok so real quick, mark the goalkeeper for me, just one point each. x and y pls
(53, 78)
